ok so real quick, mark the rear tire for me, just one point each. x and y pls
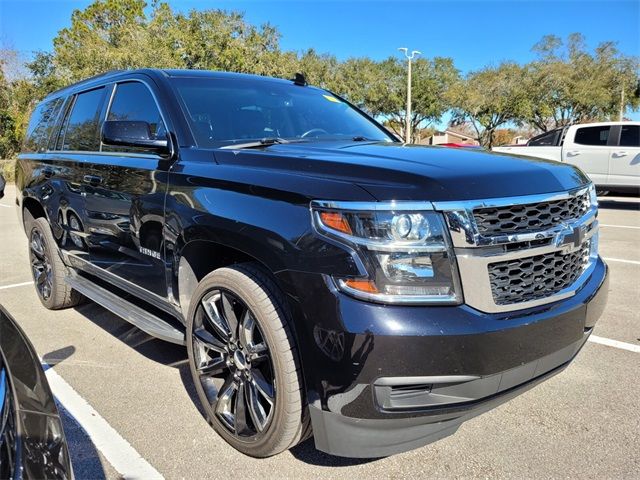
(47, 268)
(241, 348)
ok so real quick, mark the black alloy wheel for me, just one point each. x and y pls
(40, 264)
(233, 363)
(244, 361)
(47, 268)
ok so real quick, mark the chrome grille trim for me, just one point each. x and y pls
(538, 276)
(530, 217)
(475, 251)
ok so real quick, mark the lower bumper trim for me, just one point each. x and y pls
(344, 436)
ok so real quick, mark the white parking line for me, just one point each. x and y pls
(632, 262)
(615, 343)
(16, 285)
(118, 452)
(619, 226)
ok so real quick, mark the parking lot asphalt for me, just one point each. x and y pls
(584, 422)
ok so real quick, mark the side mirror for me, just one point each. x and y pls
(135, 134)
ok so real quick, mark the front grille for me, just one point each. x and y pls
(530, 217)
(540, 276)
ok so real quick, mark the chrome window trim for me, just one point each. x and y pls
(61, 130)
(114, 92)
(152, 156)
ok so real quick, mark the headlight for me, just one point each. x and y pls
(406, 252)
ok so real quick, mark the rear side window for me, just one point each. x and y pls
(82, 126)
(630, 136)
(544, 140)
(593, 135)
(134, 102)
(41, 125)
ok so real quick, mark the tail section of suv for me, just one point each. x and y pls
(326, 279)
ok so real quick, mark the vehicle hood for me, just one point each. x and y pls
(392, 171)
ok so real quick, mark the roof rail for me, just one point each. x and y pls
(88, 80)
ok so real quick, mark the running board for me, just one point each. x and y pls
(145, 321)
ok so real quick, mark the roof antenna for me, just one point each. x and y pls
(299, 79)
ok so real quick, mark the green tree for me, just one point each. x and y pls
(362, 81)
(488, 99)
(318, 69)
(17, 98)
(431, 82)
(568, 84)
(120, 34)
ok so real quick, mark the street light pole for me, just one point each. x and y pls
(407, 129)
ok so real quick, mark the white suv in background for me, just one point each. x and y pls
(609, 152)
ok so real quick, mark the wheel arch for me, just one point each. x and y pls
(34, 207)
(198, 258)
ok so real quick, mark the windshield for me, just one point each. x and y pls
(227, 111)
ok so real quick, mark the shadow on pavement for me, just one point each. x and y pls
(159, 351)
(84, 456)
(58, 356)
(618, 204)
(306, 452)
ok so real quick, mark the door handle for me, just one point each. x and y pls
(573, 153)
(92, 180)
(619, 154)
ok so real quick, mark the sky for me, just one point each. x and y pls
(473, 33)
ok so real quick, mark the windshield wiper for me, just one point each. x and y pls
(263, 142)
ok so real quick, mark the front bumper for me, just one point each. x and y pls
(386, 379)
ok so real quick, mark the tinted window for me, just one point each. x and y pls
(41, 125)
(57, 140)
(630, 136)
(547, 139)
(82, 126)
(223, 111)
(592, 135)
(133, 101)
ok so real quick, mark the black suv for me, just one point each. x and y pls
(325, 278)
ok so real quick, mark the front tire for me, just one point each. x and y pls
(244, 363)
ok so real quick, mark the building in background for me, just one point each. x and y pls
(448, 136)
(520, 140)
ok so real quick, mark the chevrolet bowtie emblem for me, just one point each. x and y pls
(576, 237)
